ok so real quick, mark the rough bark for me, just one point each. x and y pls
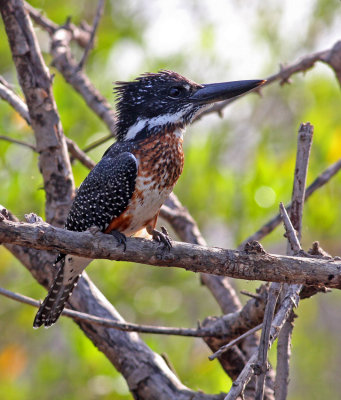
(36, 83)
(247, 265)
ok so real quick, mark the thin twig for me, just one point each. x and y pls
(282, 315)
(235, 341)
(304, 141)
(262, 358)
(21, 107)
(283, 76)
(80, 35)
(66, 64)
(293, 227)
(98, 142)
(77, 153)
(122, 326)
(320, 181)
(249, 294)
(22, 143)
(290, 231)
(14, 100)
(89, 46)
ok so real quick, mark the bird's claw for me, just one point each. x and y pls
(120, 237)
(162, 237)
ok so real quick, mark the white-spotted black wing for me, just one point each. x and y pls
(104, 194)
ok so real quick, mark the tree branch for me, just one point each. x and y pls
(145, 371)
(282, 315)
(121, 326)
(331, 56)
(233, 360)
(79, 34)
(66, 64)
(320, 181)
(20, 142)
(22, 109)
(261, 366)
(237, 264)
(35, 82)
(234, 341)
(293, 226)
(15, 101)
(290, 231)
(89, 46)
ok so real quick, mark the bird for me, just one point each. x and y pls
(124, 192)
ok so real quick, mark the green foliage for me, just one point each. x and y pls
(237, 170)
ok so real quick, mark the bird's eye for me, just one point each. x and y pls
(175, 91)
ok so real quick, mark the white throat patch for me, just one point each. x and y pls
(161, 120)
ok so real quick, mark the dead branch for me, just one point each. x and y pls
(121, 326)
(234, 341)
(304, 140)
(291, 234)
(15, 101)
(261, 365)
(66, 64)
(143, 369)
(233, 360)
(320, 181)
(293, 227)
(80, 34)
(22, 109)
(20, 142)
(282, 315)
(90, 44)
(35, 82)
(331, 56)
(237, 264)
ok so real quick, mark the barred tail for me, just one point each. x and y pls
(59, 293)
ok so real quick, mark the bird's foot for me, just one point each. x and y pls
(120, 237)
(162, 237)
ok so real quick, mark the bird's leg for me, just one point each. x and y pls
(120, 237)
(161, 237)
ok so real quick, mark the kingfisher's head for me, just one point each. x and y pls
(167, 100)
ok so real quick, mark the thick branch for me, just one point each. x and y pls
(233, 360)
(35, 82)
(65, 63)
(145, 371)
(237, 264)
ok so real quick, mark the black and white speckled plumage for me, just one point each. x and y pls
(126, 189)
(149, 96)
(104, 194)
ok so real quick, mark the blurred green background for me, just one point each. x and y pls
(237, 170)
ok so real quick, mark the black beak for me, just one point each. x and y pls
(222, 91)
